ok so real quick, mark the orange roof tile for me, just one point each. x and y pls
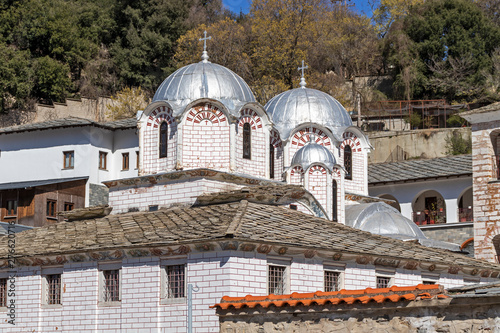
(363, 296)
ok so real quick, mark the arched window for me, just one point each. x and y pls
(271, 161)
(163, 139)
(348, 162)
(247, 141)
(334, 201)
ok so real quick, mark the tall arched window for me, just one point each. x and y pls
(348, 162)
(334, 201)
(247, 141)
(271, 161)
(163, 139)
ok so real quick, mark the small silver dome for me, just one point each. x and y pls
(299, 106)
(313, 153)
(381, 219)
(204, 80)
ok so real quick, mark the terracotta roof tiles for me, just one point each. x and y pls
(364, 296)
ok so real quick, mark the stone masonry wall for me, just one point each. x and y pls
(454, 234)
(417, 316)
(256, 165)
(486, 191)
(98, 195)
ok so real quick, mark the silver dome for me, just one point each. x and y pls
(313, 153)
(381, 219)
(204, 80)
(299, 106)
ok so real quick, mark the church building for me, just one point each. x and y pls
(232, 198)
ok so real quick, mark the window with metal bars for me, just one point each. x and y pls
(53, 288)
(3, 292)
(383, 281)
(348, 162)
(247, 141)
(332, 281)
(176, 281)
(163, 139)
(111, 292)
(276, 280)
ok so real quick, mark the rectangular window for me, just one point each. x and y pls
(383, 281)
(11, 208)
(125, 161)
(68, 206)
(332, 281)
(137, 160)
(176, 281)
(53, 282)
(69, 159)
(111, 285)
(3, 292)
(276, 280)
(103, 156)
(51, 208)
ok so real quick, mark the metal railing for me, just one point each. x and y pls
(425, 217)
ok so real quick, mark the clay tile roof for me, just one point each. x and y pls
(258, 223)
(363, 296)
(413, 170)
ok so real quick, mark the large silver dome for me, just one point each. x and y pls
(313, 153)
(299, 106)
(381, 219)
(204, 80)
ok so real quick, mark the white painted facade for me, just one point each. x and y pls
(143, 309)
(39, 155)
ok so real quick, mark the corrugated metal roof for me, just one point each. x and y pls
(420, 169)
(33, 183)
(70, 122)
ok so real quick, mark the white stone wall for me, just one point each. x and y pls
(215, 273)
(359, 182)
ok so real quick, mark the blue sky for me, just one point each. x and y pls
(361, 6)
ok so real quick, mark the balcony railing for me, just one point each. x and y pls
(429, 216)
(465, 214)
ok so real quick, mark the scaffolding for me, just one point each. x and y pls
(407, 115)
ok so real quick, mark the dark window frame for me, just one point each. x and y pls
(68, 206)
(247, 141)
(276, 279)
(176, 281)
(348, 162)
(271, 161)
(163, 141)
(53, 282)
(331, 281)
(111, 285)
(334, 201)
(51, 209)
(3, 292)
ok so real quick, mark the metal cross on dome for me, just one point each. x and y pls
(302, 79)
(204, 56)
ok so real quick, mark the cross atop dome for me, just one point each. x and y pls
(204, 56)
(302, 79)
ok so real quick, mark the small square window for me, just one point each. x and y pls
(384, 281)
(53, 283)
(125, 161)
(176, 278)
(111, 285)
(276, 280)
(103, 157)
(3, 292)
(68, 206)
(69, 159)
(332, 281)
(51, 208)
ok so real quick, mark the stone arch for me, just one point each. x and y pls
(205, 138)
(429, 207)
(151, 161)
(250, 127)
(297, 176)
(465, 206)
(394, 204)
(302, 135)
